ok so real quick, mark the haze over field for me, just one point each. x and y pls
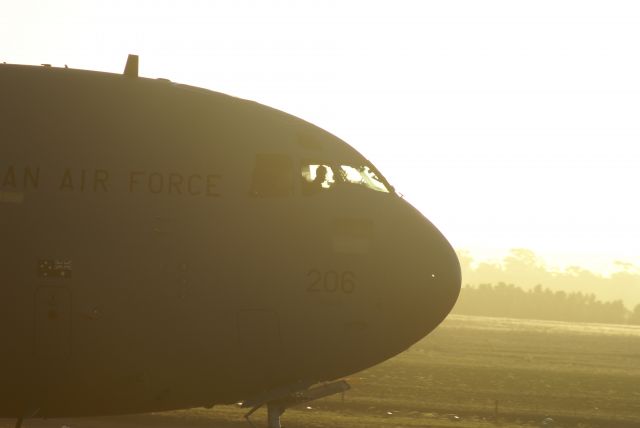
(509, 124)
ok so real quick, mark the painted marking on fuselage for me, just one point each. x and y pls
(20, 178)
(84, 180)
(331, 281)
(17, 179)
(174, 183)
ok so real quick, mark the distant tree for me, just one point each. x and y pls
(635, 315)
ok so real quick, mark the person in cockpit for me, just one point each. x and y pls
(321, 177)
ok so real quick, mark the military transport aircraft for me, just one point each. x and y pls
(166, 247)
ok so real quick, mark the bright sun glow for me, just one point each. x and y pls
(509, 124)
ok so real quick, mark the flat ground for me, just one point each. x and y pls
(471, 372)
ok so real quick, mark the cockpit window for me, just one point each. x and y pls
(318, 176)
(363, 176)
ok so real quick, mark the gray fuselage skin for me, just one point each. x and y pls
(161, 249)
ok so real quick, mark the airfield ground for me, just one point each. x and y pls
(472, 372)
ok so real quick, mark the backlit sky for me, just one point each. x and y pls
(507, 123)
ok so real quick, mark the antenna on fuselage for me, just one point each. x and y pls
(131, 69)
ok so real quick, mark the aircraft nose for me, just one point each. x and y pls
(412, 282)
(428, 278)
(438, 286)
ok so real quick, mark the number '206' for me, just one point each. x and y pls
(331, 281)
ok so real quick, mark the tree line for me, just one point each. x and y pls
(508, 300)
(524, 268)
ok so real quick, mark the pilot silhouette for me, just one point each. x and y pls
(321, 177)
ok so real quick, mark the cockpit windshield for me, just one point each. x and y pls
(318, 176)
(363, 176)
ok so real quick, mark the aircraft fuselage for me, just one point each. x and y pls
(169, 247)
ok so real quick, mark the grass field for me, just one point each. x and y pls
(471, 372)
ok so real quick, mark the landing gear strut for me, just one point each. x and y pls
(274, 412)
(278, 401)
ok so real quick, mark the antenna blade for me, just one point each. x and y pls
(131, 69)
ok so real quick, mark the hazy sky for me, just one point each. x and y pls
(508, 123)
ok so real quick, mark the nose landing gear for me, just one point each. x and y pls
(274, 412)
(278, 401)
